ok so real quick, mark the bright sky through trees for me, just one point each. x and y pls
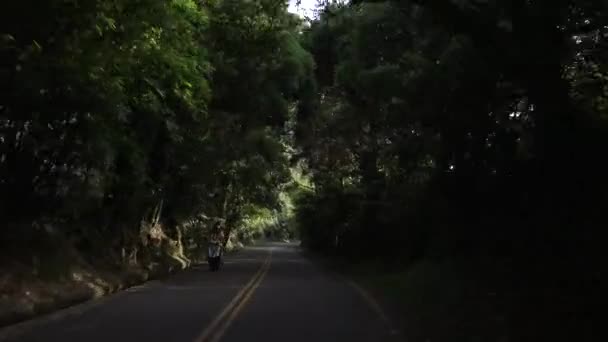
(305, 7)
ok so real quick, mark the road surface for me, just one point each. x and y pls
(268, 292)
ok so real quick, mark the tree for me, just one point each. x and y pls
(123, 111)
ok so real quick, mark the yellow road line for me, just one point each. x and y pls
(204, 336)
(220, 332)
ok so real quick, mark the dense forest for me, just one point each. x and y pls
(118, 115)
(433, 136)
(130, 128)
(465, 137)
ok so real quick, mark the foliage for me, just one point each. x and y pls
(419, 109)
(460, 129)
(130, 126)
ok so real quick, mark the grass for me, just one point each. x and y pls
(437, 301)
(483, 299)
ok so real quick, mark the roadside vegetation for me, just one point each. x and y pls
(128, 129)
(456, 157)
(449, 152)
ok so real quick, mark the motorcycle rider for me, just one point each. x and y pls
(216, 234)
(215, 244)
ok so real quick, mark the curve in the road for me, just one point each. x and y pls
(251, 299)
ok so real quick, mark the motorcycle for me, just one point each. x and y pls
(214, 256)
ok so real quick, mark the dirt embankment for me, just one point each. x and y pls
(27, 292)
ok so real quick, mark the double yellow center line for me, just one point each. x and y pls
(216, 330)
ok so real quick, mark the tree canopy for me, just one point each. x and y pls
(115, 112)
(459, 129)
(404, 129)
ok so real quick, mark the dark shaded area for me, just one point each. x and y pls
(466, 134)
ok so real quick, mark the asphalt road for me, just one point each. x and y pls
(269, 293)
